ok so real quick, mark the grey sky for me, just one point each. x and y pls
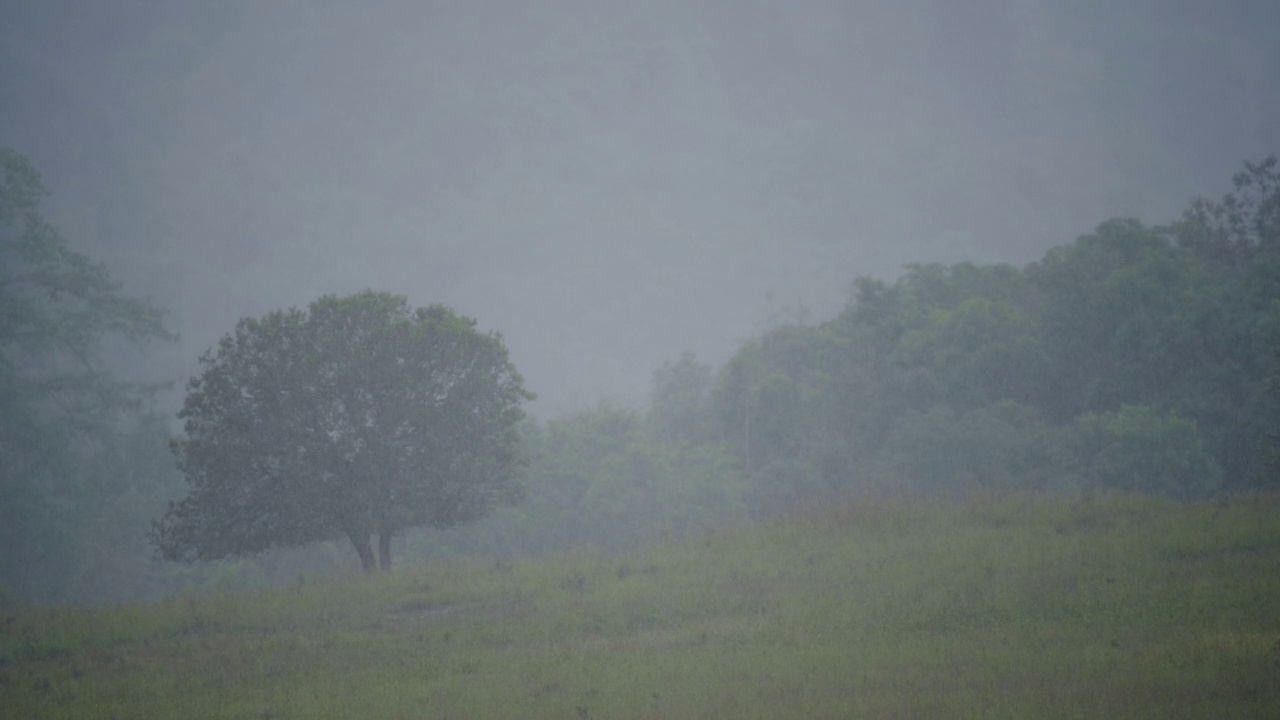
(611, 183)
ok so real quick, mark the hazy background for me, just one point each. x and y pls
(611, 183)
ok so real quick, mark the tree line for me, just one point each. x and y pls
(1142, 359)
(1135, 359)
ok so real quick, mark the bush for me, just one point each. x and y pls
(1137, 449)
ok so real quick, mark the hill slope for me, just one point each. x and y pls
(1013, 607)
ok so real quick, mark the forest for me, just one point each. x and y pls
(1137, 359)
(1134, 360)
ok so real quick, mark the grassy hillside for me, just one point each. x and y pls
(1015, 607)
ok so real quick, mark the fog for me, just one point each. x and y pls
(610, 184)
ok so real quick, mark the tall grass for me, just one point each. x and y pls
(1013, 607)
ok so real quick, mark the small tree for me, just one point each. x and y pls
(353, 418)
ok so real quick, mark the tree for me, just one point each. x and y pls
(355, 417)
(1120, 314)
(975, 342)
(1137, 450)
(1266, 472)
(1230, 232)
(1238, 238)
(1003, 446)
(56, 308)
(779, 404)
(680, 401)
(59, 400)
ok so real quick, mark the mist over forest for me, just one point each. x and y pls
(608, 185)
(747, 255)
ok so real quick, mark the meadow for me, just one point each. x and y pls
(998, 607)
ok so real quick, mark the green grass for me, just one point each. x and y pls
(1012, 607)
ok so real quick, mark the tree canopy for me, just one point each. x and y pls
(60, 403)
(1135, 358)
(57, 306)
(355, 417)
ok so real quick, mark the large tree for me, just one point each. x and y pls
(356, 417)
(59, 400)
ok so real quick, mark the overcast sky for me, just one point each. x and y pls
(611, 183)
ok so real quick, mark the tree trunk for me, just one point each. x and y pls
(364, 550)
(384, 550)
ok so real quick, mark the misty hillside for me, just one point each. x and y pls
(1014, 607)
(1135, 360)
(611, 186)
(748, 259)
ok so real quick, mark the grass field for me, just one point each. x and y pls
(1018, 607)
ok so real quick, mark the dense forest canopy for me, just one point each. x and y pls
(1136, 358)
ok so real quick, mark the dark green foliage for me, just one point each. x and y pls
(1002, 446)
(775, 402)
(1237, 238)
(1230, 233)
(1127, 317)
(354, 417)
(1267, 470)
(606, 478)
(972, 338)
(1137, 450)
(1129, 360)
(61, 408)
(615, 478)
(1135, 358)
